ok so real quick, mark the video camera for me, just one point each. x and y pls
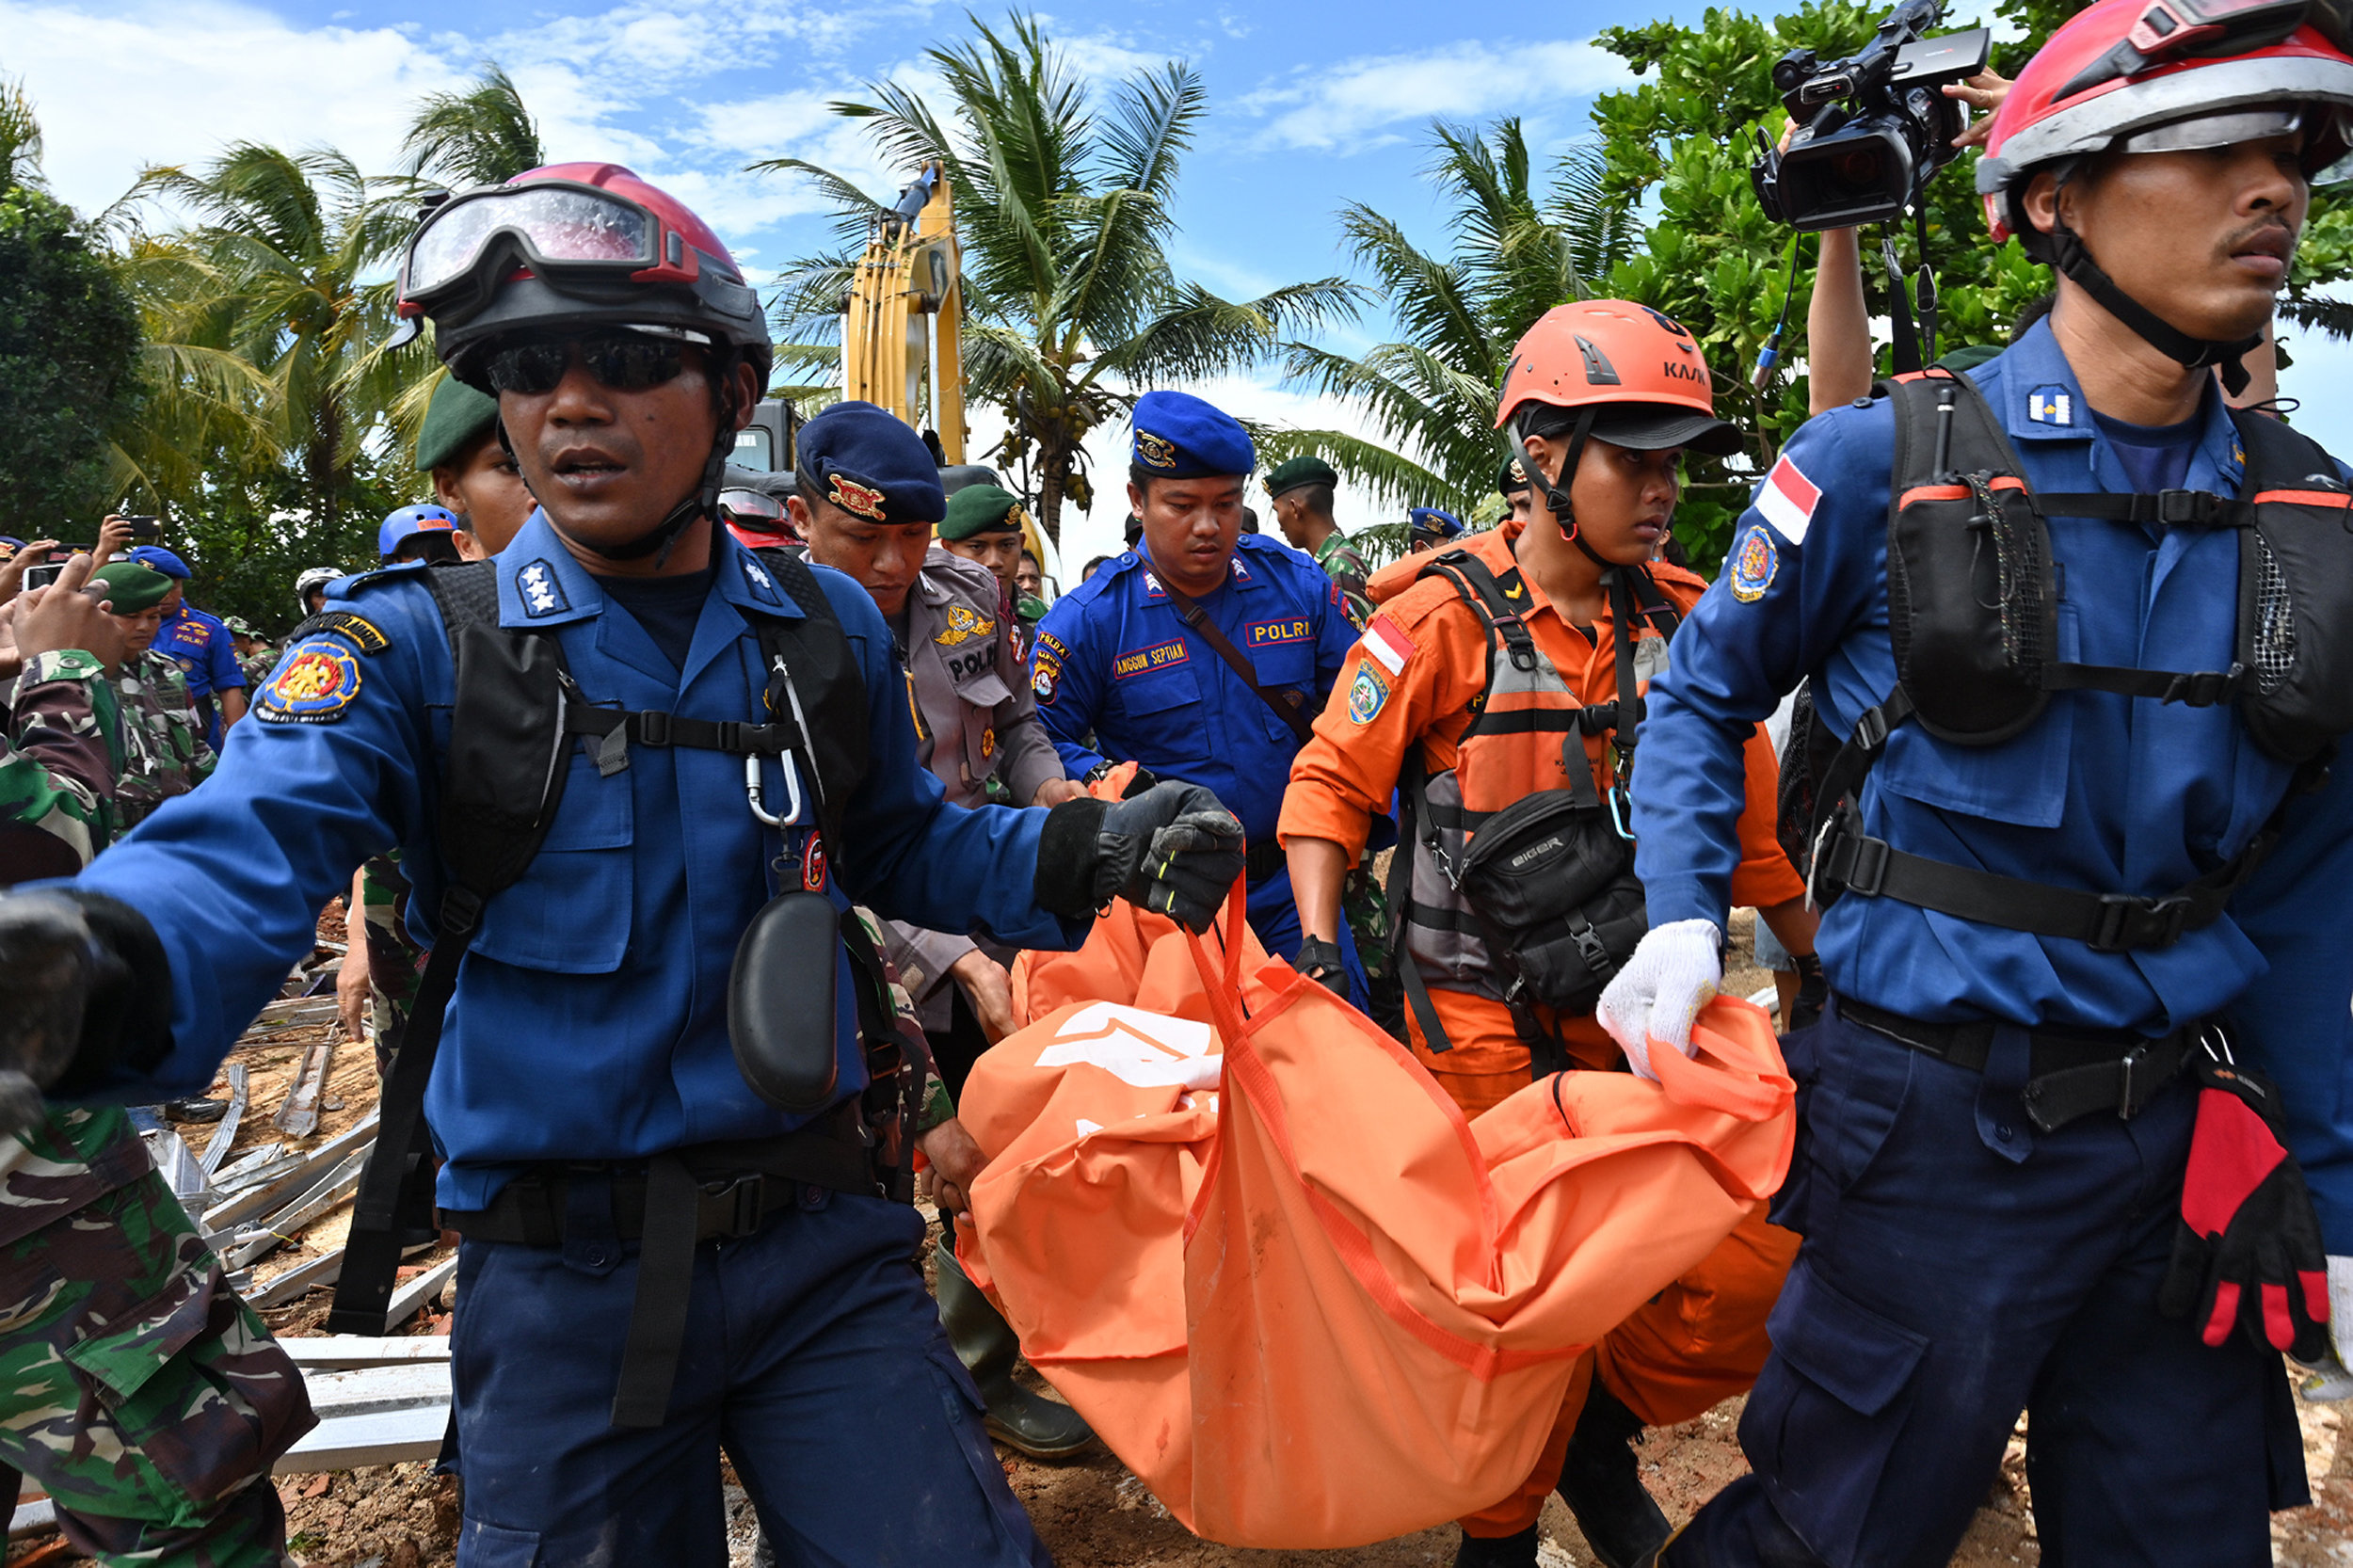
(1873, 128)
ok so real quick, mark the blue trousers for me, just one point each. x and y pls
(1274, 916)
(1957, 1268)
(813, 1354)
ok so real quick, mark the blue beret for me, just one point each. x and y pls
(163, 560)
(10, 545)
(1179, 437)
(870, 464)
(1429, 522)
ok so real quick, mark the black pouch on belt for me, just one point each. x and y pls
(780, 1002)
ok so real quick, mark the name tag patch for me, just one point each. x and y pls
(1368, 694)
(1145, 659)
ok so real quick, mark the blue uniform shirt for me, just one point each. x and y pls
(1114, 658)
(590, 1018)
(2103, 792)
(200, 644)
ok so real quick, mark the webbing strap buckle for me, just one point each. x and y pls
(731, 1209)
(2126, 1107)
(1866, 864)
(653, 729)
(2127, 922)
(1870, 728)
(2205, 688)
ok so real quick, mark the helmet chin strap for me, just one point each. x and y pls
(1556, 496)
(2072, 257)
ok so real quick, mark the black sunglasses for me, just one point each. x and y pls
(625, 362)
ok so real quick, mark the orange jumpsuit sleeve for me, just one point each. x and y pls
(1765, 877)
(1347, 770)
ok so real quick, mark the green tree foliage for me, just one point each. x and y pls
(482, 136)
(1062, 211)
(1516, 251)
(68, 347)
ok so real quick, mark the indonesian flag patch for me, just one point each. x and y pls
(1786, 500)
(1386, 642)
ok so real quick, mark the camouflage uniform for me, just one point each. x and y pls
(394, 960)
(257, 665)
(141, 1394)
(54, 768)
(1345, 565)
(157, 740)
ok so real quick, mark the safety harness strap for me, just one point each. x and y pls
(1851, 861)
(2152, 509)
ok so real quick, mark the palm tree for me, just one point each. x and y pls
(481, 136)
(1062, 209)
(1431, 392)
(270, 272)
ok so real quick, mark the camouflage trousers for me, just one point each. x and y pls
(141, 1393)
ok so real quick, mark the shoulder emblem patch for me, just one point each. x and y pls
(1367, 695)
(1753, 561)
(543, 593)
(1049, 643)
(1045, 677)
(861, 500)
(313, 684)
(963, 626)
(2051, 405)
(360, 630)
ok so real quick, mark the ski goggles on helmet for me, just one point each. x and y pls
(626, 358)
(552, 226)
(753, 509)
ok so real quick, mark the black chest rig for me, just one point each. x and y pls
(517, 717)
(1972, 613)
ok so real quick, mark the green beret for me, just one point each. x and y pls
(1296, 473)
(982, 509)
(1511, 478)
(238, 624)
(455, 417)
(130, 587)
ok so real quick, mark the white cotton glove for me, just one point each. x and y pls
(1671, 977)
(2331, 1380)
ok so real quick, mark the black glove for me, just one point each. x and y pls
(2248, 1247)
(1172, 849)
(1805, 1008)
(82, 984)
(1322, 962)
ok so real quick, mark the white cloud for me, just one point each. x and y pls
(120, 86)
(1349, 105)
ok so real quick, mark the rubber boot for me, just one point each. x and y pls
(1603, 1487)
(985, 1343)
(1498, 1551)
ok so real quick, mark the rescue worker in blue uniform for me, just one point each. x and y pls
(1124, 669)
(592, 1094)
(198, 641)
(2036, 964)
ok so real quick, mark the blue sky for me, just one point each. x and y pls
(1313, 103)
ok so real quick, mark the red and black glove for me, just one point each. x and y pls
(2248, 1248)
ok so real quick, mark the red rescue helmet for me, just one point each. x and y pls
(569, 248)
(2151, 76)
(2155, 76)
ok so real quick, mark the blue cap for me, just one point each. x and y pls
(1180, 436)
(10, 545)
(1429, 522)
(412, 519)
(162, 560)
(870, 464)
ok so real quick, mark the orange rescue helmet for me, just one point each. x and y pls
(1641, 376)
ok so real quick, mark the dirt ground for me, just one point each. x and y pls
(1090, 1512)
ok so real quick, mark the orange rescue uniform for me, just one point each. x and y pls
(1702, 1340)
